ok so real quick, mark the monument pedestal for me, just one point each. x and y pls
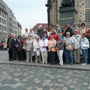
(67, 15)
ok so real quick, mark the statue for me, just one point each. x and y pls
(67, 3)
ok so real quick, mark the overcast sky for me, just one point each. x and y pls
(28, 12)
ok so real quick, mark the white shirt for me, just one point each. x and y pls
(76, 39)
(43, 43)
(36, 45)
(26, 34)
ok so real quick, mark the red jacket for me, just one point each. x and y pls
(54, 35)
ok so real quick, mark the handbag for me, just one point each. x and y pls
(24, 47)
(85, 45)
(38, 53)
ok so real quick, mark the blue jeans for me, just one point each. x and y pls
(85, 54)
(67, 54)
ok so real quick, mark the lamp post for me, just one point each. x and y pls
(48, 5)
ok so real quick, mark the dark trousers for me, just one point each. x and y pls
(51, 57)
(10, 54)
(19, 55)
(23, 54)
(14, 52)
(89, 55)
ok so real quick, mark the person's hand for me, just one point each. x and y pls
(71, 48)
(57, 48)
(44, 47)
(37, 48)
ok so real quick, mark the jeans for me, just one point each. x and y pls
(67, 54)
(85, 55)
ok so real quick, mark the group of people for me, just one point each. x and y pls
(53, 45)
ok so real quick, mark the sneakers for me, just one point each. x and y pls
(36, 61)
(60, 64)
(84, 64)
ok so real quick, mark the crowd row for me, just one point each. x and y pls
(52, 46)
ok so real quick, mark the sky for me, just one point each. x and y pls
(28, 12)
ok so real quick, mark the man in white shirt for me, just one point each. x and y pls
(76, 38)
(26, 32)
(43, 49)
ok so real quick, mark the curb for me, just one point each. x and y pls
(65, 66)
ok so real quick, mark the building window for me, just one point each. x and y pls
(87, 11)
(87, 3)
(88, 15)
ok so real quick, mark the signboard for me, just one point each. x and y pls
(67, 16)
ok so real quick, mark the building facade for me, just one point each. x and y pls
(19, 29)
(8, 22)
(82, 8)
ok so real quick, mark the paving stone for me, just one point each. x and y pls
(20, 77)
(65, 88)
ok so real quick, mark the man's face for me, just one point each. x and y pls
(76, 32)
(40, 27)
(26, 30)
(30, 30)
(53, 30)
(68, 35)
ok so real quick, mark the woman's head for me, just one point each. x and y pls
(29, 37)
(83, 35)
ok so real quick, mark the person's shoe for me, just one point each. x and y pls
(31, 61)
(27, 61)
(71, 63)
(61, 64)
(83, 64)
(43, 62)
(36, 61)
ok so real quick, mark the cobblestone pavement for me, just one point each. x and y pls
(16, 77)
(21, 77)
(4, 55)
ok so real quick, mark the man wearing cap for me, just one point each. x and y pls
(76, 38)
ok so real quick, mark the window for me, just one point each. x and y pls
(88, 15)
(87, 3)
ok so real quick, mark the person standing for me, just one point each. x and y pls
(76, 38)
(83, 29)
(23, 51)
(60, 49)
(43, 48)
(69, 48)
(52, 50)
(29, 48)
(9, 46)
(88, 36)
(55, 36)
(68, 29)
(36, 49)
(40, 31)
(84, 47)
(14, 46)
(19, 48)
